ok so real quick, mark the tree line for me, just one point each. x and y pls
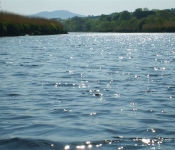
(16, 25)
(141, 20)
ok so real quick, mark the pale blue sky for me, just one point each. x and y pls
(84, 7)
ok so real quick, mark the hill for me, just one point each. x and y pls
(62, 14)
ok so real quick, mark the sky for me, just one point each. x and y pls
(83, 7)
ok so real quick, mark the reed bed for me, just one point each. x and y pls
(14, 25)
(165, 27)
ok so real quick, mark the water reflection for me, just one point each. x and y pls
(106, 88)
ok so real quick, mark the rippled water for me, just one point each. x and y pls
(87, 91)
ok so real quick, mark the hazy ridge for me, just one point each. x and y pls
(62, 14)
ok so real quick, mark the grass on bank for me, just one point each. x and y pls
(16, 25)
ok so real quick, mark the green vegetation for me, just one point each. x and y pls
(16, 25)
(141, 20)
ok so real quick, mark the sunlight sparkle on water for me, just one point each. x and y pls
(67, 147)
(93, 86)
(81, 147)
(146, 141)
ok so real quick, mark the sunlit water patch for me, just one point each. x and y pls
(87, 91)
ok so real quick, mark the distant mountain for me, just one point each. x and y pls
(63, 14)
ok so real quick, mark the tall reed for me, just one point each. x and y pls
(13, 24)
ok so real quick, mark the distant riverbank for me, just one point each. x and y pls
(141, 20)
(17, 25)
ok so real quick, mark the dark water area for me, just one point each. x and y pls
(106, 91)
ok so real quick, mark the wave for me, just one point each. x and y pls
(20, 144)
(118, 142)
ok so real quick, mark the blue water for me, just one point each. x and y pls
(88, 91)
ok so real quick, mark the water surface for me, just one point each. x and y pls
(88, 91)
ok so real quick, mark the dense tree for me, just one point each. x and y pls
(87, 26)
(164, 14)
(105, 18)
(115, 16)
(125, 15)
(139, 13)
(145, 9)
(141, 20)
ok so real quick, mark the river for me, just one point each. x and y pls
(106, 91)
